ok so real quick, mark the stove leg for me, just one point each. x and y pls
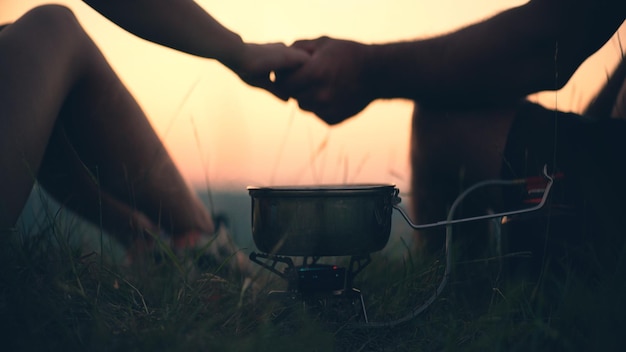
(358, 293)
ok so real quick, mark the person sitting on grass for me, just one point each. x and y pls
(68, 122)
(471, 121)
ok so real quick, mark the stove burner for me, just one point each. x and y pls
(321, 287)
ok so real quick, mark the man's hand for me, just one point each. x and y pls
(333, 83)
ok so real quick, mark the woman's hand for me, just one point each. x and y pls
(257, 64)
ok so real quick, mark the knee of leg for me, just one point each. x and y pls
(55, 18)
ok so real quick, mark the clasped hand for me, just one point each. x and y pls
(326, 76)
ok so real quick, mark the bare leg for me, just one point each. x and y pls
(450, 151)
(64, 176)
(54, 78)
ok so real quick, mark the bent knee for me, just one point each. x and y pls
(53, 18)
(52, 11)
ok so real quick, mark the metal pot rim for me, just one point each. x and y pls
(321, 190)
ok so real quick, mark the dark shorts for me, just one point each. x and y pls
(586, 213)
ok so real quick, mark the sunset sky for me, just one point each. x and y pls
(221, 130)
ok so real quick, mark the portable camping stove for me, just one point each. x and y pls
(322, 288)
(354, 220)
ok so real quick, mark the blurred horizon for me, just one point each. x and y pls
(224, 134)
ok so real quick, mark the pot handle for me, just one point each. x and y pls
(550, 179)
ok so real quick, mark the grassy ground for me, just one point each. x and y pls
(54, 296)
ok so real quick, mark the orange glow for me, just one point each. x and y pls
(220, 130)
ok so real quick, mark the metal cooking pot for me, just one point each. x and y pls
(322, 220)
(343, 220)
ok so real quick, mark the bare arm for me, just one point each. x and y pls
(179, 24)
(531, 48)
(524, 50)
(185, 26)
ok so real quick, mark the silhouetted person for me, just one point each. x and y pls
(471, 122)
(68, 122)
